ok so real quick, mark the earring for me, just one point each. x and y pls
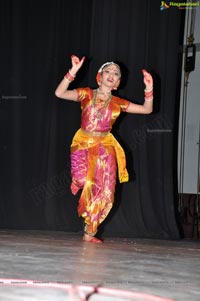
(116, 86)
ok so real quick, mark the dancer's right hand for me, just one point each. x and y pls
(76, 64)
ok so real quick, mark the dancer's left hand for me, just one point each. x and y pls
(148, 80)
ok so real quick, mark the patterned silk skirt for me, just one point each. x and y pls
(93, 168)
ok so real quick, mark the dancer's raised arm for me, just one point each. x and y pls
(147, 106)
(62, 89)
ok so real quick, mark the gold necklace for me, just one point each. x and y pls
(99, 113)
(104, 93)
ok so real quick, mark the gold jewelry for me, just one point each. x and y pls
(98, 112)
(102, 92)
(96, 134)
(106, 65)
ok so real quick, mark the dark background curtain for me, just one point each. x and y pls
(37, 40)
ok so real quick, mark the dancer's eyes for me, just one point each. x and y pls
(111, 72)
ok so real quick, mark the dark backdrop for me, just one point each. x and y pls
(37, 40)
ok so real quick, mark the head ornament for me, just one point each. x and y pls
(98, 76)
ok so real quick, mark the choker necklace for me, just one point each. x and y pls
(99, 114)
(104, 93)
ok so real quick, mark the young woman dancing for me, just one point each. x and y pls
(95, 153)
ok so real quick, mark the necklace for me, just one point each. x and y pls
(99, 111)
(104, 93)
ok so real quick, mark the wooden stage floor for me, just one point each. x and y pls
(39, 265)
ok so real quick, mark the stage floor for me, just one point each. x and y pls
(37, 265)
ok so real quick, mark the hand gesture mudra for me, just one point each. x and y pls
(76, 63)
(148, 80)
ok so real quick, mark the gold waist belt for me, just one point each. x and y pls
(97, 134)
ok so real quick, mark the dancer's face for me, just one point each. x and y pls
(111, 75)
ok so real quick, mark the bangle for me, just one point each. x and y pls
(71, 74)
(149, 98)
(148, 94)
(148, 90)
(69, 77)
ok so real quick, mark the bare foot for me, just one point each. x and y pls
(89, 238)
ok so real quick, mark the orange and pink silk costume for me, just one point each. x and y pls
(95, 157)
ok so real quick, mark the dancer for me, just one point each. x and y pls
(95, 153)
